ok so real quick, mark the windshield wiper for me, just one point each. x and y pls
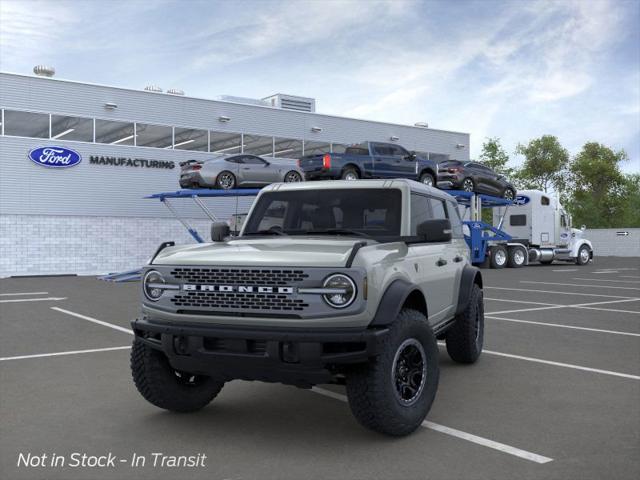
(337, 231)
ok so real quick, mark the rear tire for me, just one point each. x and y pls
(427, 179)
(225, 180)
(517, 257)
(163, 386)
(466, 337)
(292, 177)
(350, 173)
(498, 256)
(468, 185)
(394, 392)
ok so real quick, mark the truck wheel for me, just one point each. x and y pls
(466, 337)
(350, 173)
(517, 257)
(584, 255)
(393, 393)
(167, 388)
(427, 179)
(498, 256)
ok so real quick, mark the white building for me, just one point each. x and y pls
(91, 218)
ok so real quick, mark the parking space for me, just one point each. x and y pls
(555, 395)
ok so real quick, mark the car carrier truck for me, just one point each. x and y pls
(539, 226)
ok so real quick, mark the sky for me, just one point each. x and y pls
(509, 69)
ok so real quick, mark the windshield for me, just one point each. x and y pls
(370, 212)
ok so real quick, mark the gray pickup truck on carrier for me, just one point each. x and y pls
(328, 282)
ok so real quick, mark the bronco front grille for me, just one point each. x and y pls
(239, 276)
(238, 301)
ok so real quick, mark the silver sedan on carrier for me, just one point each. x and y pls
(236, 171)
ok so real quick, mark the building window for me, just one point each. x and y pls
(287, 148)
(157, 136)
(225, 143)
(258, 145)
(316, 148)
(71, 128)
(114, 133)
(26, 124)
(191, 139)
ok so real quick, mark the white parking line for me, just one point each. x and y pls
(580, 285)
(629, 276)
(565, 365)
(573, 327)
(567, 270)
(588, 306)
(94, 320)
(520, 301)
(606, 280)
(558, 293)
(57, 354)
(23, 293)
(47, 299)
(485, 442)
(611, 310)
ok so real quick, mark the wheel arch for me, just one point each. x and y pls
(354, 166)
(398, 295)
(430, 171)
(470, 276)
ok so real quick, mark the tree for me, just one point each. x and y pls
(599, 194)
(630, 216)
(545, 164)
(495, 157)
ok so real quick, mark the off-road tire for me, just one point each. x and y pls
(466, 337)
(371, 388)
(348, 174)
(426, 176)
(495, 258)
(513, 262)
(580, 259)
(159, 384)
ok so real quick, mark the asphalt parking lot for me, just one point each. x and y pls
(555, 395)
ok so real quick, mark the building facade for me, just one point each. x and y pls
(91, 218)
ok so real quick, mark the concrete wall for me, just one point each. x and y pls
(607, 242)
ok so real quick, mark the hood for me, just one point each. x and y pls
(287, 252)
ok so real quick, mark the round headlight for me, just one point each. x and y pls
(344, 291)
(150, 285)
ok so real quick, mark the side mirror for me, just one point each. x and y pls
(583, 228)
(434, 230)
(220, 231)
(411, 156)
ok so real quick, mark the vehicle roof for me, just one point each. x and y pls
(399, 183)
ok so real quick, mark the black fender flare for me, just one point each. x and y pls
(392, 301)
(470, 276)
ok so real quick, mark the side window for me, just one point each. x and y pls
(234, 160)
(544, 201)
(398, 151)
(381, 149)
(563, 220)
(518, 220)
(274, 216)
(250, 159)
(420, 211)
(454, 218)
(437, 208)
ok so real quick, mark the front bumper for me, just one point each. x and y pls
(292, 356)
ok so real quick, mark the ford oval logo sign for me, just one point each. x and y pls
(521, 200)
(55, 157)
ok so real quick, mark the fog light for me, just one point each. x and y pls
(344, 291)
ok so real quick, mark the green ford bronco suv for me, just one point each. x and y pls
(328, 282)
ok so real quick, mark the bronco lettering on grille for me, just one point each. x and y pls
(237, 288)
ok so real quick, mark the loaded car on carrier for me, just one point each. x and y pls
(328, 282)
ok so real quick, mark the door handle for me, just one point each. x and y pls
(441, 262)
(246, 168)
(458, 259)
